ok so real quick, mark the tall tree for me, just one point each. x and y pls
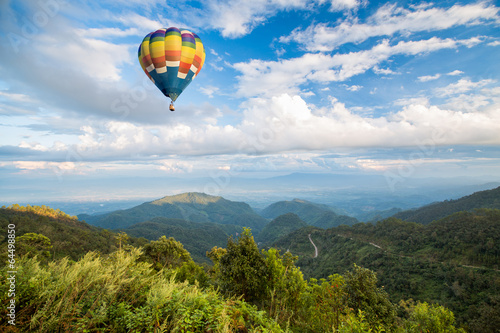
(363, 294)
(166, 252)
(242, 269)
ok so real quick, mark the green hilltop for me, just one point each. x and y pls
(439, 210)
(280, 226)
(194, 207)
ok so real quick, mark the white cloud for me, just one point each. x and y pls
(389, 20)
(426, 78)
(271, 78)
(240, 17)
(33, 146)
(106, 33)
(354, 88)
(412, 101)
(279, 125)
(144, 23)
(384, 71)
(42, 165)
(463, 85)
(94, 57)
(455, 73)
(14, 97)
(339, 5)
(209, 91)
(175, 166)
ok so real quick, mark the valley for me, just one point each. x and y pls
(445, 253)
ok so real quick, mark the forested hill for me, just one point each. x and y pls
(454, 261)
(194, 207)
(439, 210)
(314, 214)
(56, 234)
(197, 238)
(306, 210)
(280, 226)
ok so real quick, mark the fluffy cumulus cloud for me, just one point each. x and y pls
(389, 20)
(269, 78)
(283, 124)
(82, 104)
(238, 18)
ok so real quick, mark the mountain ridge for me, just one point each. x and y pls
(190, 206)
(314, 214)
(438, 210)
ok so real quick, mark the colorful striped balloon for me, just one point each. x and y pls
(171, 58)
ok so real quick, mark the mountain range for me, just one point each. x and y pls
(201, 221)
(447, 252)
(194, 207)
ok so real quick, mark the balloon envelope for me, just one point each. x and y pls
(171, 58)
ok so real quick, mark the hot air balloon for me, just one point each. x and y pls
(171, 58)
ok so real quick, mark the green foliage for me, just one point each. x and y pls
(165, 252)
(331, 219)
(324, 305)
(122, 239)
(68, 236)
(358, 324)
(197, 238)
(483, 199)
(363, 294)
(242, 270)
(452, 262)
(193, 273)
(430, 318)
(120, 294)
(41, 210)
(284, 286)
(280, 226)
(32, 244)
(160, 289)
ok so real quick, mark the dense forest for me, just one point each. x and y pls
(453, 261)
(393, 276)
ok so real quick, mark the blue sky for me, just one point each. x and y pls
(404, 89)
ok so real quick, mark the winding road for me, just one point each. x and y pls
(315, 247)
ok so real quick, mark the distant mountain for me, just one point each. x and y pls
(330, 220)
(280, 226)
(306, 210)
(197, 238)
(194, 207)
(439, 210)
(318, 215)
(377, 215)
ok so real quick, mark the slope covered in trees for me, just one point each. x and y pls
(194, 207)
(280, 226)
(453, 261)
(67, 236)
(313, 214)
(439, 210)
(160, 289)
(198, 238)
